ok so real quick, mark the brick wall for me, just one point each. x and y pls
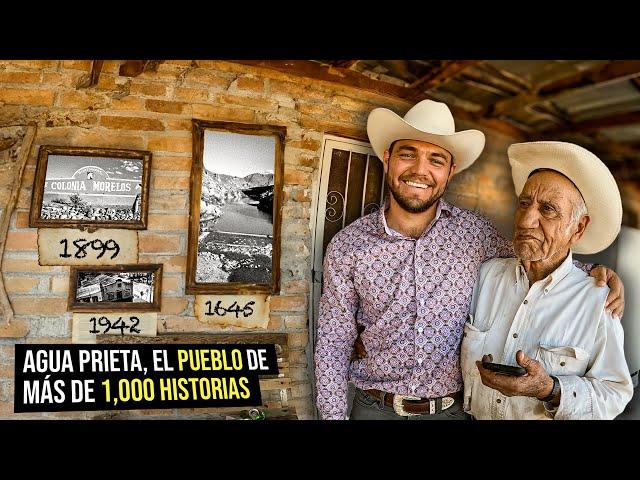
(153, 112)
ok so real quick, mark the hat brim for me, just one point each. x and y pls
(385, 126)
(592, 178)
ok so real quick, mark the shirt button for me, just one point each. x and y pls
(525, 302)
(515, 335)
(419, 271)
(419, 360)
(499, 401)
(420, 330)
(546, 290)
(562, 364)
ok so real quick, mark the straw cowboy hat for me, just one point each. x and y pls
(427, 121)
(587, 172)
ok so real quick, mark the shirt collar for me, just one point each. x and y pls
(551, 280)
(443, 208)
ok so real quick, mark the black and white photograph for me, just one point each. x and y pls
(124, 287)
(236, 234)
(90, 186)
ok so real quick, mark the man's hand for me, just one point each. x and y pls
(535, 383)
(615, 299)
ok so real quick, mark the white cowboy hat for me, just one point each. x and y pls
(587, 172)
(427, 121)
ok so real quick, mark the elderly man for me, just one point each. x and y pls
(539, 310)
(405, 276)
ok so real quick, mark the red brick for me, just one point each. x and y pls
(164, 106)
(39, 64)
(253, 84)
(149, 243)
(18, 328)
(179, 124)
(203, 76)
(170, 284)
(247, 101)
(22, 96)
(21, 284)
(22, 220)
(288, 303)
(170, 144)
(296, 177)
(171, 183)
(275, 323)
(169, 263)
(19, 77)
(168, 202)
(127, 103)
(78, 64)
(24, 265)
(82, 100)
(305, 144)
(296, 286)
(22, 240)
(298, 340)
(39, 306)
(168, 222)
(190, 94)
(59, 285)
(211, 112)
(173, 305)
(152, 90)
(172, 163)
(132, 123)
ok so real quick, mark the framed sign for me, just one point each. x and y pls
(236, 198)
(91, 187)
(118, 288)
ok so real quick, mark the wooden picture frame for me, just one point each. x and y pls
(103, 283)
(86, 187)
(237, 177)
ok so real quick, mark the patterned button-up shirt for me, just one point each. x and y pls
(412, 297)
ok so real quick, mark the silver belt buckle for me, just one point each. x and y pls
(447, 402)
(398, 407)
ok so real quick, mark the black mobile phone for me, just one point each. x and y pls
(504, 369)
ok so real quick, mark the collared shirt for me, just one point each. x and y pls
(412, 297)
(559, 321)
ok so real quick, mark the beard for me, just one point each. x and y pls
(415, 205)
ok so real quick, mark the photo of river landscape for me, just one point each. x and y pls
(235, 240)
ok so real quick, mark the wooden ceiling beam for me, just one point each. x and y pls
(438, 76)
(305, 68)
(618, 120)
(346, 64)
(567, 85)
(133, 68)
(308, 69)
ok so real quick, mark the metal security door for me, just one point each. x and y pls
(351, 185)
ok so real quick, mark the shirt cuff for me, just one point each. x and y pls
(575, 399)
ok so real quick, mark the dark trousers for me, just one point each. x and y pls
(365, 407)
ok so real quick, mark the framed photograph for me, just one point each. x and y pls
(236, 198)
(91, 187)
(123, 287)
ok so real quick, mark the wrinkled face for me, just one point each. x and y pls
(543, 219)
(417, 173)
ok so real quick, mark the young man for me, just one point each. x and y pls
(406, 274)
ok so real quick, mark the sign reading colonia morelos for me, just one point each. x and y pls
(93, 181)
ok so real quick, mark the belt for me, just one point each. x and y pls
(406, 405)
